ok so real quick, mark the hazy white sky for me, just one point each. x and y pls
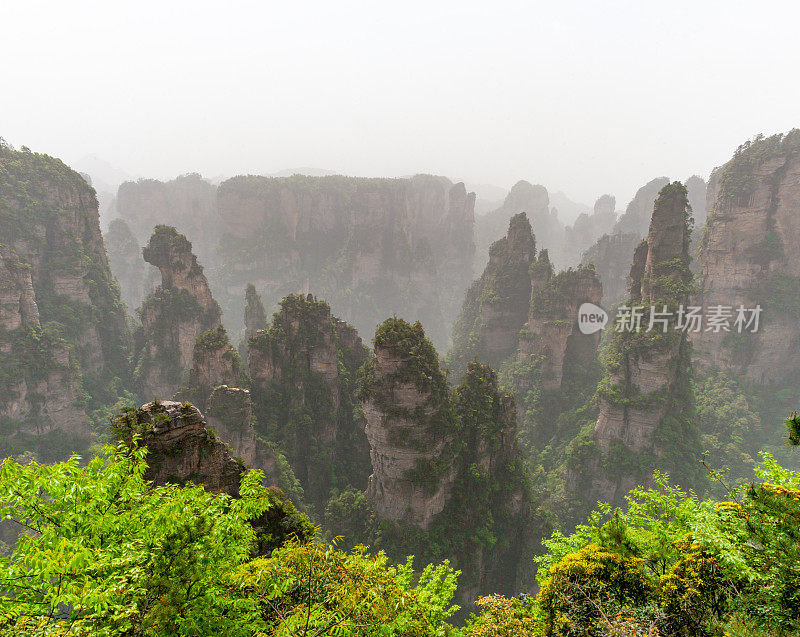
(583, 96)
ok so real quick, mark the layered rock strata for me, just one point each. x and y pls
(214, 362)
(408, 426)
(181, 448)
(188, 202)
(445, 463)
(534, 201)
(611, 257)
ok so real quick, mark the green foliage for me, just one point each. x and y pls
(420, 361)
(555, 300)
(587, 587)
(778, 292)
(709, 568)
(108, 555)
(104, 553)
(350, 517)
(312, 589)
(418, 365)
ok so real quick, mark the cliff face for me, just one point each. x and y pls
(173, 316)
(363, 244)
(611, 253)
(40, 388)
(125, 260)
(496, 305)
(552, 329)
(534, 201)
(48, 216)
(63, 331)
(644, 399)
(255, 316)
(214, 384)
(611, 257)
(303, 370)
(187, 202)
(489, 494)
(750, 254)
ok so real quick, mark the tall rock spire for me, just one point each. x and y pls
(173, 316)
(496, 306)
(645, 396)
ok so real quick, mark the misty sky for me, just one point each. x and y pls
(584, 97)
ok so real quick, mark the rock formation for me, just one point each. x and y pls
(750, 255)
(182, 449)
(303, 370)
(215, 384)
(173, 316)
(166, 427)
(49, 218)
(535, 203)
(444, 464)
(409, 426)
(64, 335)
(496, 305)
(588, 228)
(366, 245)
(644, 396)
(255, 318)
(40, 387)
(127, 265)
(552, 329)
(214, 362)
(611, 253)
(611, 257)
